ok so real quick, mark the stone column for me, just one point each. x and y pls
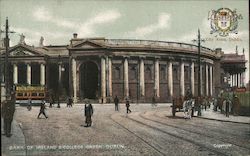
(103, 80)
(157, 78)
(42, 74)
(74, 79)
(28, 74)
(60, 72)
(15, 74)
(142, 79)
(170, 78)
(232, 81)
(240, 79)
(192, 78)
(182, 80)
(207, 82)
(110, 76)
(211, 80)
(126, 85)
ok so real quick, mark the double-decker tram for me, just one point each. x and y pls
(35, 93)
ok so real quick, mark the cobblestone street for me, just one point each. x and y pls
(146, 131)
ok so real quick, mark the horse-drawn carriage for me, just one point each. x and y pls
(181, 104)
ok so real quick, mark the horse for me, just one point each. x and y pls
(188, 105)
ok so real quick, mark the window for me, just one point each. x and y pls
(117, 72)
(148, 73)
(132, 73)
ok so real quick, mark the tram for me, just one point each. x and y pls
(25, 92)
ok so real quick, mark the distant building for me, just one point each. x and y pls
(99, 68)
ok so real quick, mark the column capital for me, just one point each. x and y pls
(142, 57)
(157, 57)
(170, 58)
(126, 57)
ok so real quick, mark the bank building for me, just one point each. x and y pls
(100, 69)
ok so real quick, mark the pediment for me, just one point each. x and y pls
(87, 44)
(21, 50)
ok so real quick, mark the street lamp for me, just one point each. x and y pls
(199, 70)
(6, 59)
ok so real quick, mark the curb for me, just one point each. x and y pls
(223, 120)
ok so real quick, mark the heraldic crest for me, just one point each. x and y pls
(224, 21)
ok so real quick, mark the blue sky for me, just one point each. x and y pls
(57, 20)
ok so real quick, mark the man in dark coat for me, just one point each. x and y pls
(70, 101)
(42, 110)
(128, 105)
(8, 109)
(88, 113)
(116, 101)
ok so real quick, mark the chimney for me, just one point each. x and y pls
(75, 35)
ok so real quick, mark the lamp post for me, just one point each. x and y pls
(199, 70)
(6, 59)
(59, 80)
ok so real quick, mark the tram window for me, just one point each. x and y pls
(33, 94)
(25, 94)
(19, 94)
(41, 94)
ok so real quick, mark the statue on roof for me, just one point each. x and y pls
(22, 39)
(41, 42)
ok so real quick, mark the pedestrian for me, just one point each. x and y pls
(29, 104)
(116, 101)
(88, 113)
(153, 102)
(227, 107)
(51, 101)
(42, 110)
(128, 105)
(8, 110)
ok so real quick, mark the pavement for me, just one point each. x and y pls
(15, 145)
(17, 140)
(217, 115)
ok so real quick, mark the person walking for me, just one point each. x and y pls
(29, 107)
(228, 103)
(128, 105)
(116, 101)
(42, 110)
(88, 113)
(8, 110)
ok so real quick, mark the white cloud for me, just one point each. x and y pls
(162, 23)
(42, 14)
(84, 29)
(87, 28)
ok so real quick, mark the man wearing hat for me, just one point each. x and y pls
(88, 113)
(8, 110)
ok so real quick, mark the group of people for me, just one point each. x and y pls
(116, 101)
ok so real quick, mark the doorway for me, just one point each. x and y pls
(89, 80)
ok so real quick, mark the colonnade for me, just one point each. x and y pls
(106, 77)
(29, 74)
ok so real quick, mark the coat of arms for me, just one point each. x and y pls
(224, 21)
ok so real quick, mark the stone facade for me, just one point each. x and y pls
(99, 68)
